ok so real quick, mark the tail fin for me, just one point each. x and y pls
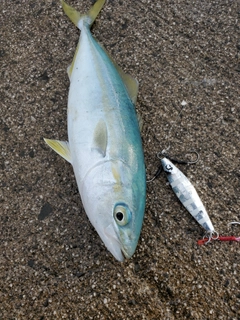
(77, 18)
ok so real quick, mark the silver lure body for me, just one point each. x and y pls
(187, 194)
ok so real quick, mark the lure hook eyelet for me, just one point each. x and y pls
(163, 153)
(197, 154)
(209, 236)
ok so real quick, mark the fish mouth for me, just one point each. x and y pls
(115, 246)
(128, 251)
(125, 254)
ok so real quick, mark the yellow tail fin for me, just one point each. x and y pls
(76, 17)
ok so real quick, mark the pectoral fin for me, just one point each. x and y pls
(61, 147)
(100, 138)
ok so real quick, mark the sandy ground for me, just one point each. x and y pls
(53, 265)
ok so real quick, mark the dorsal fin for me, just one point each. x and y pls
(140, 121)
(130, 83)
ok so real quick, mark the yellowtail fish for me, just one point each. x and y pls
(104, 143)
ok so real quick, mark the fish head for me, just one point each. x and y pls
(115, 209)
(124, 227)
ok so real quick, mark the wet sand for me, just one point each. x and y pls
(53, 265)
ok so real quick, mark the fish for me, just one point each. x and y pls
(188, 195)
(104, 142)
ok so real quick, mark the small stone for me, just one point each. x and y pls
(31, 263)
(45, 211)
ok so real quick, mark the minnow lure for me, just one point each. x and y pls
(105, 147)
(188, 196)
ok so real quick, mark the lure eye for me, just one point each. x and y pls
(121, 215)
(168, 168)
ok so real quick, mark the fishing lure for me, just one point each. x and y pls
(186, 192)
(188, 196)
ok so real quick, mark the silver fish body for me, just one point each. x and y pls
(187, 194)
(104, 142)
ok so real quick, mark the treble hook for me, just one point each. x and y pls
(206, 239)
(164, 154)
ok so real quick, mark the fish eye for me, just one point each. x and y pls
(121, 215)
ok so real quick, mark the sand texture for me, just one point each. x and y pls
(53, 265)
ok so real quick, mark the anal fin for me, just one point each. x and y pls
(71, 66)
